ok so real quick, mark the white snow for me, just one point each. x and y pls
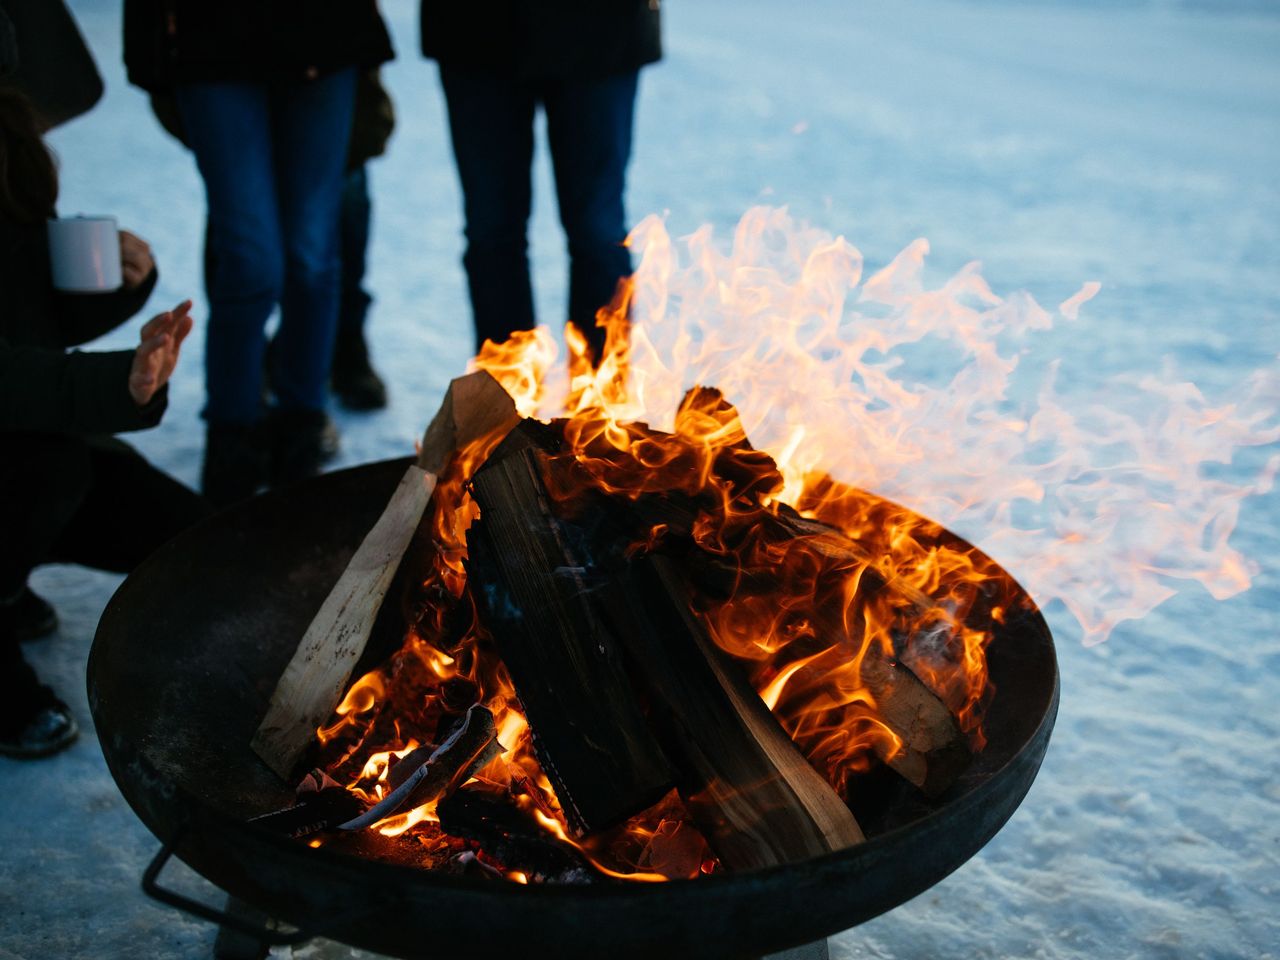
(1136, 144)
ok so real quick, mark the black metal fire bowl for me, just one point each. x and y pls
(185, 660)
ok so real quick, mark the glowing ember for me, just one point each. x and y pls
(813, 361)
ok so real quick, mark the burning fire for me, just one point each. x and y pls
(815, 361)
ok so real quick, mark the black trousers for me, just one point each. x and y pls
(65, 499)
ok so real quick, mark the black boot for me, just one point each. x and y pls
(33, 616)
(353, 379)
(301, 442)
(36, 727)
(235, 462)
(33, 721)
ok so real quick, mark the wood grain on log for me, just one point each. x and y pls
(475, 410)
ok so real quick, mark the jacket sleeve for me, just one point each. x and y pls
(81, 317)
(79, 393)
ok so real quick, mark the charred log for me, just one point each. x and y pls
(754, 795)
(469, 748)
(536, 591)
(316, 810)
(552, 609)
(512, 839)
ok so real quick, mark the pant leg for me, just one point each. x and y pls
(228, 130)
(311, 126)
(129, 510)
(67, 499)
(44, 480)
(353, 242)
(589, 126)
(491, 126)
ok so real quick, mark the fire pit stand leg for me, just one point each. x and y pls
(809, 951)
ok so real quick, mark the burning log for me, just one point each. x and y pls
(534, 591)
(509, 837)
(931, 751)
(466, 750)
(322, 804)
(562, 625)
(757, 799)
(475, 408)
(424, 775)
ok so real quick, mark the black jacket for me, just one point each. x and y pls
(543, 39)
(42, 387)
(179, 41)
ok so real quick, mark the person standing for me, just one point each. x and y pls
(580, 61)
(265, 92)
(353, 379)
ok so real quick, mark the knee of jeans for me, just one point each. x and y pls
(494, 228)
(310, 267)
(247, 272)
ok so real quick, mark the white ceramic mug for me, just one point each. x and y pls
(85, 253)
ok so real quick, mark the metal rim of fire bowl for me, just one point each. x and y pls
(183, 664)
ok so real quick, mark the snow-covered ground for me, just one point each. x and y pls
(1133, 143)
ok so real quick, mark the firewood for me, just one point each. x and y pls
(475, 409)
(534, 590)
(314, 811)
(511, 838)
(555, 615)
(468, 749)
(754, 795)
(932, 751)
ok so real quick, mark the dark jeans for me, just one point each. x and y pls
(354, 218)
(353, 236)
(589, 126)
(93, 502)
(272, 158)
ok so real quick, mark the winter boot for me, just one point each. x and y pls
(301, 441)
(235, 462)
(352, 378)
(33, 721)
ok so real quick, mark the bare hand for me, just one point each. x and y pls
(136, 262)
(157, 354)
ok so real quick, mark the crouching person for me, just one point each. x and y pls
(70, 492)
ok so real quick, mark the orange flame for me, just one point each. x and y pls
(817, 364)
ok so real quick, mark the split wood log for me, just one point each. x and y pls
(534, 592)
(756, 798)
(932, 751)
(475, 409)
(561, 625)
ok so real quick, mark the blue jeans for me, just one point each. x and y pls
(589, 126)
(272, 159)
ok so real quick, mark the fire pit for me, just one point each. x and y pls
(186, 659)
